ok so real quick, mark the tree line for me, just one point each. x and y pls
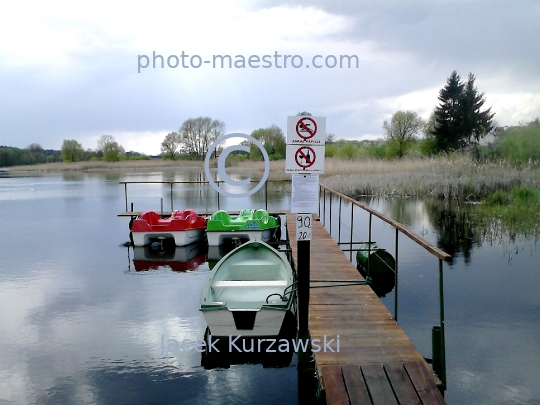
(194, 138)
(108, 149)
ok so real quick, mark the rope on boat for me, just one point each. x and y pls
(285, 292)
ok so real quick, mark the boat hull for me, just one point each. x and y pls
(249, 292)
(184, 226)
(217, 238)
(267, 322)
(181, 238)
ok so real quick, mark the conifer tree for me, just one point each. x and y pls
(448, 115)
(458, 119)
(476, 123)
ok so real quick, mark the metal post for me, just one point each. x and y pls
(172, 208)
(330, 214)
(352, 226)
(303, 248)
(319, 213)
(162, 206)
(324, 207)
(339, 223)
(368, 274)
(266, 195)
(436, 350)
(125, 194)
(217, 182)
(396, 279)
(442, 374)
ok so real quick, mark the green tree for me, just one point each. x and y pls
(401, 131)
(72, 151)
(102, 143)
(476, 123)
(197, 134)
(36, 153)
(109, 148)
(273, 141)
(112, 151)
(459, 122)
(449, 116)
(170, 145)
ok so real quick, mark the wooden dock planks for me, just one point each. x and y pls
(376, 363)
(381, 384)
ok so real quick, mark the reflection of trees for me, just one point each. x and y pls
(402, 210)
(456, 230)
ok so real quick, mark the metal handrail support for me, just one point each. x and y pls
(438, 335)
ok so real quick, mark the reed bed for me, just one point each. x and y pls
(443, 177)
(106, 166)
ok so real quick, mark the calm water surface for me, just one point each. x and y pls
(80, 325)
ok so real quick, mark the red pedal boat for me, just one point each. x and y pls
(184, 226)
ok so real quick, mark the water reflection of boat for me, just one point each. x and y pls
(216, 253)
(228, 351)
(184, 227)
(248, 225)
(178, 258)
(381, 266)
(248, 292)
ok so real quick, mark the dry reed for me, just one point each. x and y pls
(455, 177)
(447, 177)
(106, 166)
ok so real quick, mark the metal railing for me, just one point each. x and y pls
(438, 340)
(172, 183)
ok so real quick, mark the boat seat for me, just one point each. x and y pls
(222, 216)
(235, 292)
(254, 306)
(250, 283)
(245, 215)
(262, 215)
(256, 269)
(151, 217)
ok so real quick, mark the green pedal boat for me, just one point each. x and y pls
(248, 226)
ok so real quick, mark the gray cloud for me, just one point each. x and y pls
(411, 47)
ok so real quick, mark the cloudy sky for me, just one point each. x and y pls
(70, 70)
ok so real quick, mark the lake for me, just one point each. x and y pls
(80, 325)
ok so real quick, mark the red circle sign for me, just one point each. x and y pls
(306, 127)
(305, 157)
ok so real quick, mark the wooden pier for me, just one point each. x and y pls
(377, 363)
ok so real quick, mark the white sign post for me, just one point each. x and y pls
(306, 137)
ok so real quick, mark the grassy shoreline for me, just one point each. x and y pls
(444, 177)
(92, 166)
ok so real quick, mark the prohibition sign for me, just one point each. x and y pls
(307, 154)
(305, 125)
